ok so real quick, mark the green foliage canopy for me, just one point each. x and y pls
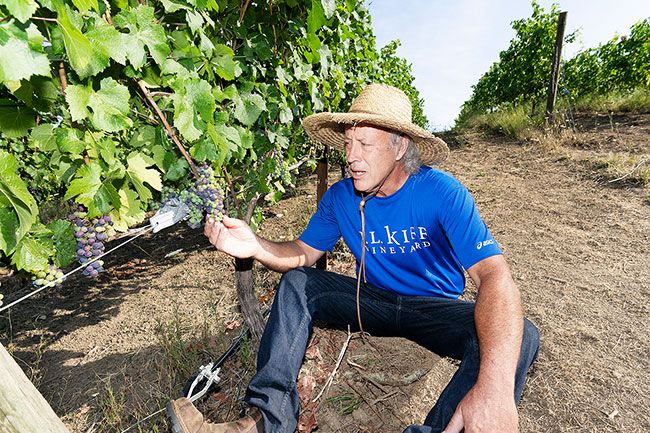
(233, 78)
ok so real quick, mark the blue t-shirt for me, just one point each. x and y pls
(419, 239)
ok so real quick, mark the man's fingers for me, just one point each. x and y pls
(455, 423)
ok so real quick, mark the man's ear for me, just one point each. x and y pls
(404, 144)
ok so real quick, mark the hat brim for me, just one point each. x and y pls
(329, 128)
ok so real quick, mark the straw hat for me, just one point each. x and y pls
(379, 105)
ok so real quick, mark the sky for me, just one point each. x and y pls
(451, 43)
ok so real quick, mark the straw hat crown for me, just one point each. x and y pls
(380, 105)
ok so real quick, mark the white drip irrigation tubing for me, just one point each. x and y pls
(142, 231)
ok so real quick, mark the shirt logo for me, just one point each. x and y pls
(398, 241)
(485, 243)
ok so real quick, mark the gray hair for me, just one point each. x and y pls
(411, 159)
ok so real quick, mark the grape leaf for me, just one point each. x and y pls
(223, 62)
(8, 230)
(143, 27)
(86, 5)
(77, 96)
(89, 189)
(206, 149)
(138, 174)
(43, 138)
(68, 142)
(177, 169)
(130, 211)
(14, 191)
(329, 6)
(64, 242)
(85, 59)
(110, 42)
(19, 61)
(31, 255)
(248, 107)
(193, 98)
(16, 120)
(110, 106)
(21, 9)
(316, 17)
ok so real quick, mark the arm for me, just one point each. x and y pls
(235, 237)
(490, 406)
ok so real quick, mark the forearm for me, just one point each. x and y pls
(283, 256)
(499, 325)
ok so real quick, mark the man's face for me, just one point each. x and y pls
(372, 159)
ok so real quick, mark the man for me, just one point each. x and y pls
(414, 231)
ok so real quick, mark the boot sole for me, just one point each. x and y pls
(176, 424)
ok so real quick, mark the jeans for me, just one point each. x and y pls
(444, 326)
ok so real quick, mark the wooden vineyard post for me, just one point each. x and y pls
(555, 71)
(320, 190)
(22, 408)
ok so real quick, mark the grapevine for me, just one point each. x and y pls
(91, 235)
(204, 198)
(53, 273)
(226, 94)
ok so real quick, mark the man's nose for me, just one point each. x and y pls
(353, 152)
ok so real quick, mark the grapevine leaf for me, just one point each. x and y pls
(85, 59)
(130, 211)
(16, 120)
(184, 119)
(229, 92)
(138, 174)
(329, 6)
(223, 62)
(206, 149)
(172, 6)
(104, 200)
(86, 5)
(8, 230)
(31, 255)
(85, 186)
(21, 9)
(89, 189)
(177, 169)
(110, 106)
(316, 17)
(69, 143)
(77, 96)
(192, 98)
(248, 108)
(142, 25)
(64, 242)
(110, 42)
(18, 60)
(194, 20)
(43, 138)
(143, 136)
(159, 156)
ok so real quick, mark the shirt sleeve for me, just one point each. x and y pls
(323, 230)
(465, 229)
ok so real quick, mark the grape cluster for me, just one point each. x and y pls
(91, 235)
(204, 197)
(53, 274)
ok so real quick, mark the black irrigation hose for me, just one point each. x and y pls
(234, 346)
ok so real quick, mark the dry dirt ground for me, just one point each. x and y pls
(571, 212)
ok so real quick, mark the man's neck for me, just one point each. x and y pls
(394, 181)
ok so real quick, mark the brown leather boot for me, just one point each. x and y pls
(186, 418)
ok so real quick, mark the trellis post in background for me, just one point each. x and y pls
(320, 191)
(22, 408)
(555, 69)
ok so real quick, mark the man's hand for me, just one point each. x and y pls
(232, 236)
(485, 411)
